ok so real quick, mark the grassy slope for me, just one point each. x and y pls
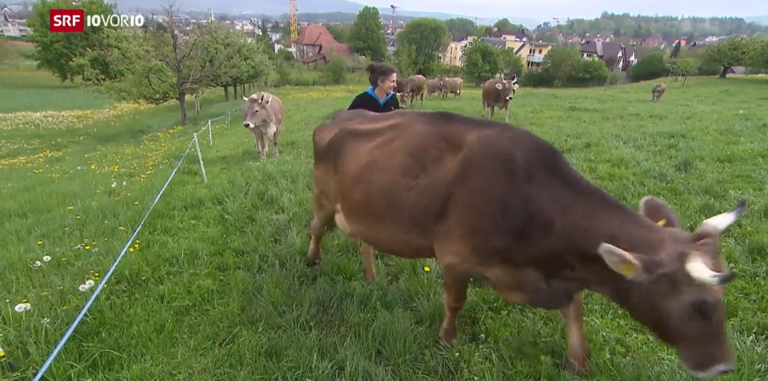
(217, 289)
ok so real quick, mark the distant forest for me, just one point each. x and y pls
(666, 27)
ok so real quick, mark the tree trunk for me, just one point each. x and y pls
(183, 108)
(235, 90)
(685, 80)
(197, 103)
(243, 88)
(724, 71)
(226, 93)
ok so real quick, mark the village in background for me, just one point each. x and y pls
(321, 32)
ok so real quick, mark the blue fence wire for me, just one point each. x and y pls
(57, 349)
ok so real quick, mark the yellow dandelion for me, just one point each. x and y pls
(135, 203)
(87, 247)
(426, 269)
(70, 207)
(78, 217)
(39, 242)
(130, 250)
(121, 228)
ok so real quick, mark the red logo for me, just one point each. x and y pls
(67, 20)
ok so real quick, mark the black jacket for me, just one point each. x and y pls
(368, 100)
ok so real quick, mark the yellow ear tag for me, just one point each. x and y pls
(661, 223)
(628, 270)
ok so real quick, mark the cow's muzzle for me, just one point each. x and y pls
(247, 125)
(509, 97)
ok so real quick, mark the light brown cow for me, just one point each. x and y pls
(498, 92)
(415, 86)
(659, 88)
(263, 115)
(488, 199)
(451, 85)
(399, 90)
(433, 87)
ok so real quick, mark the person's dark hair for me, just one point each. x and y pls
(378, 72)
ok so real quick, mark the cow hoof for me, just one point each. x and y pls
(447, 337)
(571, 366)
(312, 262)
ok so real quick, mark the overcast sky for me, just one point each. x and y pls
(547, 9)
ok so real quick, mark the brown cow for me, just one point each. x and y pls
(263, 115)
(415, 86)
(659, 88)
(498, 92)
(433, 87)
(399, 90)
(485, 198)
(451, 85)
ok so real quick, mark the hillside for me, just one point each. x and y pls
(338, 10)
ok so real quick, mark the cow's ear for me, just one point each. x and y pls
(265, 100)
(621, 261)
(658, 211)
(499, 86)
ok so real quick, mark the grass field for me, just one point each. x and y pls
(215, 287)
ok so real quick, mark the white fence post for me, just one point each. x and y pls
(199, 157)
(210, 134)
(229, 119)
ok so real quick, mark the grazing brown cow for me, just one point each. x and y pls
(659, 88)
(493, 200)
(451, 85)
(415, 86)
(263, 115)
(433, 87)
(498, 92)
(399, 90)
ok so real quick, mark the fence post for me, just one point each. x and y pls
(210, 134)
(199, 158)
(229, 119)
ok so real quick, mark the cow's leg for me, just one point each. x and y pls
(261, 144)
(578, 348)
(455, 284)
(369, 272)
(506, 112)
(322, 221)
(491, 116)
(422, 98)
(275, 142)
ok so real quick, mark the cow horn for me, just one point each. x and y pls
(700, 272)
(499, 86)
(262, 98)
(721, 222)
(245, 99)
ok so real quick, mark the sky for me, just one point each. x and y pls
(545, 10)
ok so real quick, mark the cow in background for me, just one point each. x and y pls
(498, 92)
(415, 86)
(263, 115)
(659, 88)
(433, 87)
(451, 85)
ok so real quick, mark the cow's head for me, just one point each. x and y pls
(441, 80)
(677, 292)
(255, 110)
(506, 89)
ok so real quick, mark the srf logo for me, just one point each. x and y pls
(67, 20)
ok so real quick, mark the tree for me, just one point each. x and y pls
(675, 50)
(683, 67)
(511, 63)
(560, 63)
(648, 67)
(482, 61)
(460, 28)
(427, 37)
(506, 26)
(265, 40)
(58, 52)
(339, 32)
(336, 71)
(589, 73)
(734, 51)
(366, 37)
(162, 64)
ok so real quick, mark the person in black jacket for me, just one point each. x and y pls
(380, 97)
